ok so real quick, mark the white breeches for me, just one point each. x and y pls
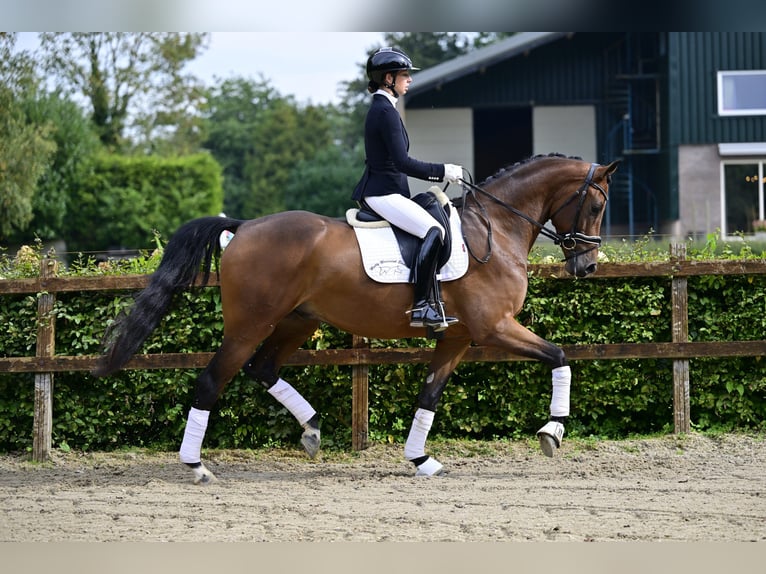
(404, 214)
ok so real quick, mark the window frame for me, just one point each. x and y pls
(720, 76)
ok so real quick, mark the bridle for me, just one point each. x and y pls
(568, 241)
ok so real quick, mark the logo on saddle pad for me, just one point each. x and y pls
(382, 256)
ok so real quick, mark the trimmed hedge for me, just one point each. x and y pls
(125, 200)
(483, 400)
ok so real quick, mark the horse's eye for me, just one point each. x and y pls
(596, 207)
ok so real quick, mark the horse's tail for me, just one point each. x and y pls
(195, 245)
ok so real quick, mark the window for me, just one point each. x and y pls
(742, 93)
(742, 183)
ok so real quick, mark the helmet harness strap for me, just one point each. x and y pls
(392, 85)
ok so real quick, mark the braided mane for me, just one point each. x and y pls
(509, 169)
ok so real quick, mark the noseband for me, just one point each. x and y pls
(568, 241)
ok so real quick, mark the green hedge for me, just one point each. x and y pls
(126, 199)
(483, 400)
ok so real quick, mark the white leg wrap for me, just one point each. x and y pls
(292, 401)
(196, 425)
(416, 441)
(562, 378)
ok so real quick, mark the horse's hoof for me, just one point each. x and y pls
(550, 437)
(310, 441)
(431, 467)
(202, 475)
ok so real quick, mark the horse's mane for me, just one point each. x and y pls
(502, 172)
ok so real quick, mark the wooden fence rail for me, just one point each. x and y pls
(45, 362)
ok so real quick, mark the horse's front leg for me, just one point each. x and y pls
(514, 337)
(552, 432)
(446, 357)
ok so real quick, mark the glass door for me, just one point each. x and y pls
(743, 196)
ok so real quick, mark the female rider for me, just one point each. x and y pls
(384, 187)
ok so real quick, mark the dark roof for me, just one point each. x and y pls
(478, 59)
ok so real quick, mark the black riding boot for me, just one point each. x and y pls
(424, 313)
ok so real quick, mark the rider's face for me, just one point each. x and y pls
(403, 81)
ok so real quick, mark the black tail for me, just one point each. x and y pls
(190, 250)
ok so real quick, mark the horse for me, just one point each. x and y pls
(284, 274)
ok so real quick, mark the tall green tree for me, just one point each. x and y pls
(258, 136)
(76, 145)
(134, 83)
(25, 148)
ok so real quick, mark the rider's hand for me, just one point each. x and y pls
(453, 173)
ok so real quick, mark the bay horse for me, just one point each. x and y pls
(284, 274)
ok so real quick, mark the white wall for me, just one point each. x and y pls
(570, 130)
(699, 190)
(440, 136)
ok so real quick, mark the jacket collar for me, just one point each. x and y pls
(388, 96)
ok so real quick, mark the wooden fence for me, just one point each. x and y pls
(45, 362)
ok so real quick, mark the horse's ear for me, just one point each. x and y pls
(612, 167)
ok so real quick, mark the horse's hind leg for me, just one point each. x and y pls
(263, 367)
(210, 384)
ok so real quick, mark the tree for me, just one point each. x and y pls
(25, 149)
(131, 81)
(258, 137)
(324, 183)
(76, 145)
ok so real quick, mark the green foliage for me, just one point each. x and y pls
(75, 145)
(125, 200)
(323, 184)
(130, 80)
(258, 137)
(428, 49)
(25, 151)
(482, 401)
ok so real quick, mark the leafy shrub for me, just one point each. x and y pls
(139, 196)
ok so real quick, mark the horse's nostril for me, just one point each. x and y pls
(591, 268)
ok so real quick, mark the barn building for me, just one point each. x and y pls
(685, 111)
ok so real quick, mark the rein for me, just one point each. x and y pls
(568, 241)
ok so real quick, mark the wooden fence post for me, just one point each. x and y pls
(42, 426)
(360, 399)
(680, 302)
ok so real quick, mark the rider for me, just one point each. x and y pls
(384, 187)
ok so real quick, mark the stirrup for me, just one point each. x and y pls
(446, 320)
(427, 316)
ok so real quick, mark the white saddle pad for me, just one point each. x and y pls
(383, 261)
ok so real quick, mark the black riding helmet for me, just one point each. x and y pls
(387, 60)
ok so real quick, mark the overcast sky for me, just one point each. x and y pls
(306, 65)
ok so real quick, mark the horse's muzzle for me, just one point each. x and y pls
(580, 265)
